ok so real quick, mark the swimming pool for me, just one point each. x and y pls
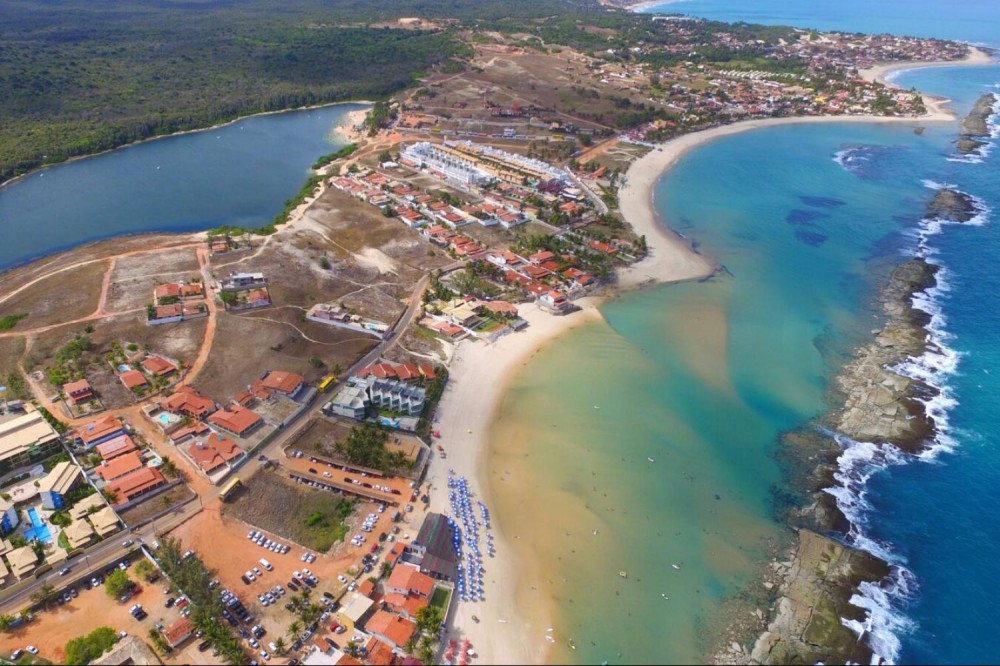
(124, 367)
(38, 529)
(164, 418)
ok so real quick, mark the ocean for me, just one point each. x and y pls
(654, 438)
(237, 175)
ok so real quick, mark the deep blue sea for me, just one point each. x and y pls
(935, 517)
(239, 175)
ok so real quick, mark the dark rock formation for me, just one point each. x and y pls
(951, 205)
(974, 125)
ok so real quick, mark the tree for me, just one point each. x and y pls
(425, 652)
(336, 369)
(5, 621)
(279, 645)
(429, 619)
(294, 629)
(87, 648)
(110, 495)
(45, 595)
(386, 570)
(145, 570)
(39, 548)
(352, 648)
(168, 467)
(117, 583)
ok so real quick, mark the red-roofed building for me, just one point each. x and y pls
(539, 257)
(118, 446)
(378, 370)
(78, 391)
(407, 371)
(366, 588)
(258, 297)
(378, 653)
(186, 400)
(427, 371)
(255, 391)
(501, 307)
(579, 277)
(407, 580)
(178, 632)
(111, 470)
(132, 379)
(286, 383)
(555, 300)
(160, 367)
(392, 629)
(214, 452)
(167, 291)
(99, 431)
(536, 272)
(135, 484)
(169, 311)
(603, 247)
(194, 290)
(404, 605)
(236, 420)
(194, 430)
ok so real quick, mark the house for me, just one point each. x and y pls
(500, 307)
(60, 480)
(122, 465)
(78, 391)
(236, 420)
(104, 521)
(78, 533)
(541, 257)
(395, 395)
(133, 379)
(378, 653)
(167, 291)
(178, 632)
(579, 277)
(22, 561)
(352, 401)
(601, 246)
(135, 484)
(355, 609)
(86, 506)
(193, 290)
(128, 650)
(404, 605)
(158, 366)
(555, 300)
(286, 383)
(392, 629)
(255, 391)
(118, 446)
(434, 547)
(213, 452)
(25, 440)
(239, 281)
(408, 581)
(172, 311)
(186, 400)
(194, 430)
(258, 298)
(8, 517)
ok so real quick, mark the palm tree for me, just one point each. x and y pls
(294, 629)
(279, 644)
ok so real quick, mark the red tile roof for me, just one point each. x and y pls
(118, 446)
(164, 311)
(98, 429)
(135, 484)
(235, 419)
(196, 428)
(410, 579)
(392, 628)
(214, 452)
(186, 400)
(120, 466)
(177, 632)
(283, 382)
(167, 291)
(158, 366)
(132, 378)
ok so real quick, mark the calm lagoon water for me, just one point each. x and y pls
(239, 174)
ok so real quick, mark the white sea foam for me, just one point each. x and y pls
(884, 602)
(852, 158)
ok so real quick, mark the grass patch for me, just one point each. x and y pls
(312, 518)
(10, 321)
(440, 597)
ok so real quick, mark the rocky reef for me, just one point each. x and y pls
(975, 126)
(813, 588)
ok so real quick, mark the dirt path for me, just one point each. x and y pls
(105, 286)
(206, 343)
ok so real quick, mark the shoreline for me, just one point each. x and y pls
(488, 370)
(337, 130)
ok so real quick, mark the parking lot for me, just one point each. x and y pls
(91, 608)
(222, 544)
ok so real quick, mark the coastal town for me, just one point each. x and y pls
(248, 447)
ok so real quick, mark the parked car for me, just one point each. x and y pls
(127, 543)
(32, 649)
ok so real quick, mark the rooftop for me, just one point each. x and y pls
(119, 466)
(60, 479)
(23, 432)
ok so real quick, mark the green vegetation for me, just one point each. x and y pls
(10, 321)
(16, 386)
(117, 583)
(67, 365)
(46, 594)
(440, 598)
(329, 526)
(365, 446)
(87, 648)
(76, 79)
(144, 569)
(346, 151)
(192, 577)
(58, 425)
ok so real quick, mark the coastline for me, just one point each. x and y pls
(342, 130)
(513, 620)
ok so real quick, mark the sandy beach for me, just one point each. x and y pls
(480, 374)
(512, 624)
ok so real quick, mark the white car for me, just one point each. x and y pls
(32, 649)
(342, 578)
(265, 656)
(249, 574)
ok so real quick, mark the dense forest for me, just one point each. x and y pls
(81, 76)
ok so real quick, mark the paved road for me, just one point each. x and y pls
(110, 551)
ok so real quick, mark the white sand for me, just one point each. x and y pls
(479, 374)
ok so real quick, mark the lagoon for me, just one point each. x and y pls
(238, 174)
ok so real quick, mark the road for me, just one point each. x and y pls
(108, 552)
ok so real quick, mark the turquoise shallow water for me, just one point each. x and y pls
(239, 175)
(705, 377)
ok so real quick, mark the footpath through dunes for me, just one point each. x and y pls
(833, 590)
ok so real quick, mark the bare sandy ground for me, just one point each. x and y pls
(511, 627)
